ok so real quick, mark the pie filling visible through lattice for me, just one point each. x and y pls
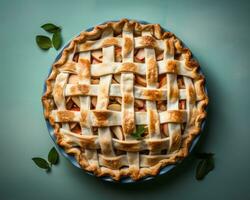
(117, 78)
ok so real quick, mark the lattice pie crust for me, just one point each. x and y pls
(114, 78)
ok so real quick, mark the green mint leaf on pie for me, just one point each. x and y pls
(53, 156)
(204, 167)
(51, 28)
(139, 131)
(42, 163)
(43, 42)
(57, 40)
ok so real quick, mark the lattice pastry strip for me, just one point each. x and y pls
(84, 78)
(128, 50)
(173, 101)
(102, 101)
(164, 66)
(127, 90)
(152, 80)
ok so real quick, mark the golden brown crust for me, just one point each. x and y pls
(65, 116)
(148, 41)
(153, 160)
(154, 121)
(84, 72)
(128, 98)
(155, 163)
(156, 144)
(128, 46)
(170, 46)
(110, 42)
(191, 97)
(177, 116)
(152, 71)
(173, 93)
(83, 88)
(153, 94)
(127, 67)
(133, 146)
(84, 118)
(101, 117)
(172, 67)
(79, 89)
(89, 142)
(128, 123)
(106, 147)
(176, 141)
(58, 93)
(69, 67)
(113, 163)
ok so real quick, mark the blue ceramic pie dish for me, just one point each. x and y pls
(164, 170)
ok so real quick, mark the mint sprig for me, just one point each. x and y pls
(51, 28)
(205, 165)
(57, 40)
(45, 42)
(42, 163)
(139, 132)
(53, 158)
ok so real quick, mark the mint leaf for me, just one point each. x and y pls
(42, 163)
(140, 129)
(43, 42)
(204, 167)
(136, 135)
(51, 28)
(57, 40)
(139, 132)
(53, 156)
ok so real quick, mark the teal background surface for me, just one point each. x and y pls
(217, 32)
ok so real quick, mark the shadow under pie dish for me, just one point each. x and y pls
(116, 79)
